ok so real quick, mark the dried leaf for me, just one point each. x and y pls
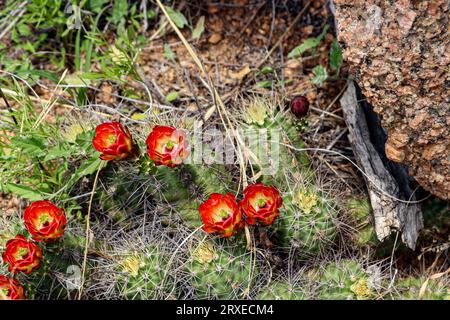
(199, 28)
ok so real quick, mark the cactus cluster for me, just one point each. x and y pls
(121, 192)
(307, 219)
(304, 223)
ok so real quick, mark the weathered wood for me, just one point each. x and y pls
(385, 180)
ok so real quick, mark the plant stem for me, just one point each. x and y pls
(88, 218)
(8, 107)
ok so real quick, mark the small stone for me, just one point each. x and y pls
(293, 63)
(213, 9)
(215, 38)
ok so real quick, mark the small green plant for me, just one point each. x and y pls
(320, 72)
(309, 43)
(336, 58)
(320, 75)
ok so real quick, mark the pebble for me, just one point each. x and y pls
(215, 38)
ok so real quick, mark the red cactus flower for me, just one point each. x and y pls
(260, 203)
(22, 255)
(167, 146)
(44, 220)
(114, 141)
(220, 213)
(10, 289)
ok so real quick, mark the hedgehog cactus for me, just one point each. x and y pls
(122, 190)
(143, 275)
(218, 273)
(187, 210)
(306, 222)
(283, 135)
(360, 213)
(345, 280)
(172, 187)
(206, 179)
(410, 289)
(193, 181)
(59, 273)
(119, 200)
(281, 290)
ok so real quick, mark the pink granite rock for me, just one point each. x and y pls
(399, 52)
